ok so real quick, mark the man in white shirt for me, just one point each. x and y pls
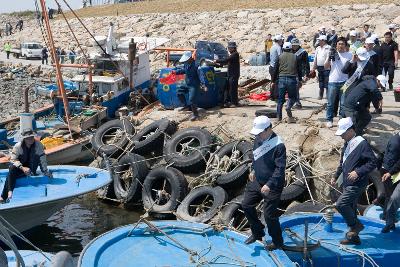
(337, 78)
(321, 55)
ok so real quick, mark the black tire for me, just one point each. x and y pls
(192, 160)
(118, 130)
(305, 207)
(266, 112)
(233, 216)
(129, 176)
(174, 185)
(375, 191)
(296, 189)
(106, 192)
(237, 175)
(151, 137)
(189, 209)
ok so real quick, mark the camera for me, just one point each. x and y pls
(332, 54)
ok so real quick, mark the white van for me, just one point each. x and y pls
(31, 50)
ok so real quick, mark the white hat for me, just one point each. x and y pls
(322, 37)
(353, 33)
(277, 37)
(370, 40)
(293, 31)
(374, 36)
(333, 29)
(260, 124)
(185, 57)
(287, 45)
(362, 53)
(343, 125)
(392, 26)
(383, 80)
(322, 28)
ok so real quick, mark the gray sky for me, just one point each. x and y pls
(21, 5)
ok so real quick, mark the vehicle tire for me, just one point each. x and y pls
(202, 204)
(305, 207)
(106, 192)
(129, 176)
(375, 191)
(296, 189)
(151, 138)
(112, 136)
(188, 149)
(62, 259)
(166, 187)
(270, 113)
(233, 216)
(237, 174)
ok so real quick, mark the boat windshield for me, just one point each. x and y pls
(106, 65)
(34, 46)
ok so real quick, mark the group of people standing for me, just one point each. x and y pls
(61, 55)
(8, 29)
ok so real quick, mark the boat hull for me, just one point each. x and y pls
(27, 217)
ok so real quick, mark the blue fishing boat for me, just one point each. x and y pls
(30, 258)
(322, 233)
(36, 198)
(376, 212)
(176, 243)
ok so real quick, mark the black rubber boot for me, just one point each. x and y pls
(195, 113)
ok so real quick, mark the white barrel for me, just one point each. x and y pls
(26, 121)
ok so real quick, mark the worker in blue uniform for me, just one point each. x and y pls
(390, 177)
(192, 84)
(266, 181)
(356, 162)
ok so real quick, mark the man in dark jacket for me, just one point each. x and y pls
(192, 84)
(356, 162)
(26, 156)
(390, 50)
(233, 74)
(302, 57)
(286, 73)
(373, 56)
(390, 177)
(266, 181)
(361, 57)
(358, 99)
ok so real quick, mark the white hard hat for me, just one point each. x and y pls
(278, 37)
(392, 26)
(383, 80)
(374, 36)
(287, 45)
(322, 38)
(343, 125)
(370, 40)
(186, 56)
(260, 124)
(362, 53)
(353, 33)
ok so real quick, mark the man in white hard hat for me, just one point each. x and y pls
(26, 156)
(373, 56)
(286, 74)
(321, 56)
(320, 32)
(358, 99)
(356, 162)
(266, 181)
(192, 83)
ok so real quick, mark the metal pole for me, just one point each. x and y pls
(60, 81)
(132, 56)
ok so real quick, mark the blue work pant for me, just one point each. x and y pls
(334, 95)
(323, 79)
(286, 84)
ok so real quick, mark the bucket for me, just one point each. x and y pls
(397, 94)
(26, 121)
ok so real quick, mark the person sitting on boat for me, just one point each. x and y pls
(266, 182)
(356, 162)
(26, 156)
(192, 83)
(390, 177)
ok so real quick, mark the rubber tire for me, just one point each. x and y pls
(193, 162)
(270, 113)
(229, 211)
(178, 191)
(109, 150)
(156, 141)
(219, 196)
(296, 189)
(108, 190)
(62, 259)
(239, 176)
(305, 207)
(375, 178)
(140, 170)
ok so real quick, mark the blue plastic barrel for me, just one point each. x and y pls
(166, 92)
(210, 98)
(259, 59)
